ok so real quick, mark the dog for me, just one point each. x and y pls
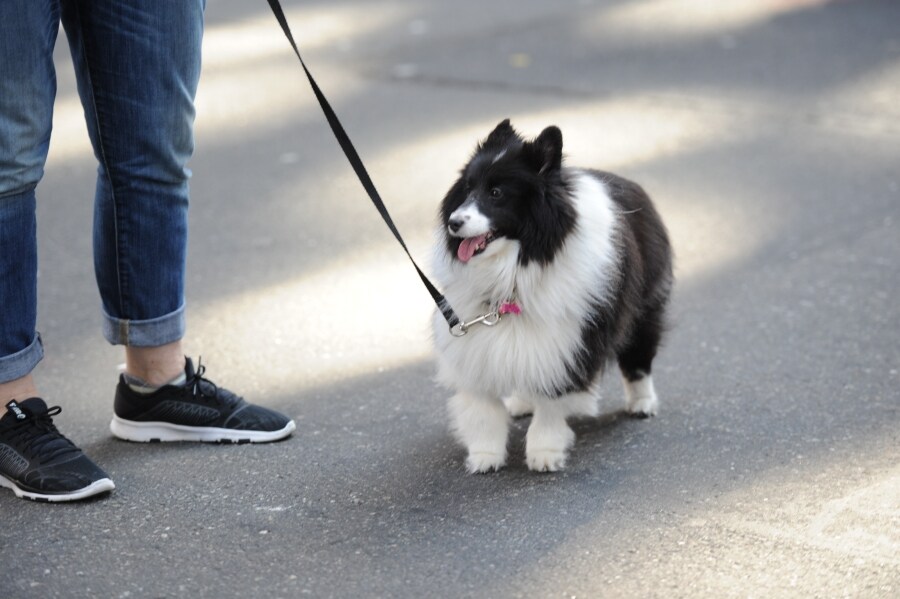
(572, 268)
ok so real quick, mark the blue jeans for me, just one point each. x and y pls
(137, 64)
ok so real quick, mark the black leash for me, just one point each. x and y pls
(360, 169)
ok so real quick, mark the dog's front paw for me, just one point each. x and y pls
(546, 450)
(484, 462)
(548, 439)
(546, 460)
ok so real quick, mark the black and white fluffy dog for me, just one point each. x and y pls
(579, 265)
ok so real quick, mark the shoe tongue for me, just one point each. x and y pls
(20, 411)
(468, 246)
(188, 367)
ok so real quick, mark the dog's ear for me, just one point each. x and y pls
(547, 150)
(549, 147)
(500, 136)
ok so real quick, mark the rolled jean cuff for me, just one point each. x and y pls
(145, 333)
(21, 363)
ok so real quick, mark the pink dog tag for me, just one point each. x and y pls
(509, 308)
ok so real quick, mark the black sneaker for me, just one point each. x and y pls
(195, 411)
(38, 463)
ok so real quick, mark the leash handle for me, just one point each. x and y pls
(356, 162)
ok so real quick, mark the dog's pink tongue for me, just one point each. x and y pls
(468, 246)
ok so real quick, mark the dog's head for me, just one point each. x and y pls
(511, 189)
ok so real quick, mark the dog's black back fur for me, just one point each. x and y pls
(631, 326)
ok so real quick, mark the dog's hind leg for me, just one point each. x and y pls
(518, 405)
(635, 362)
(580, 405)
(576, 404)
(640, 397)
(482, 425)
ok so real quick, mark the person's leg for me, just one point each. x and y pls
(137, 65)
(38, 462)
(28, 32)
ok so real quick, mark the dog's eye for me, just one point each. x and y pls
(496, 193)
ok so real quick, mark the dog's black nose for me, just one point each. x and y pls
(455, 224)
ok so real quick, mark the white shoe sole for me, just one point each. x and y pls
(145, 432)
(101, 486)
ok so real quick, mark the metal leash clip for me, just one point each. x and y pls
(488, 320)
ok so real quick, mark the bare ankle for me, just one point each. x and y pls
(18, 389)
(155, 365)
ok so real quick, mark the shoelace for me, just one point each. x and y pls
(204, 389)
(40, 436)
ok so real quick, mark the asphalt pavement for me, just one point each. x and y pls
(768, 132)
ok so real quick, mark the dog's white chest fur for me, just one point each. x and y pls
(532, 352)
